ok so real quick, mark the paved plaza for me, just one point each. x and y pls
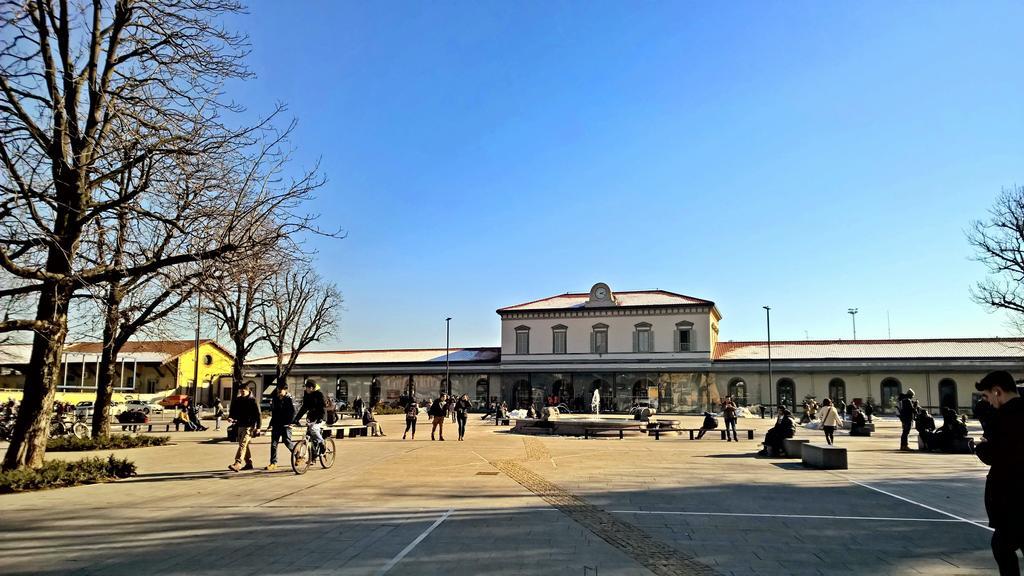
(501, 503)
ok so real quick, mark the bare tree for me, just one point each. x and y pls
(998, 242)
(96, 90)
(235, 297)
(299, 309)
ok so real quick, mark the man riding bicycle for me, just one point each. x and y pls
(314, 407)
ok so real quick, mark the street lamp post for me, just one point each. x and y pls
(768, 325)
(195, 369)
(853, 316)
(447, 366)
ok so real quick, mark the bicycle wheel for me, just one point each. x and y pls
(300, 457)
(80, 430)
(327, 458)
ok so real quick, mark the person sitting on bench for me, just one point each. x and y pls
(371, 422)
(182, 419)
(784, 427)
(950, 435)
(925, 426)
(859, 424)
(774, 440)
(710, 423)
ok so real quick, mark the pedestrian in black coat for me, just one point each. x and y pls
(1002, 448)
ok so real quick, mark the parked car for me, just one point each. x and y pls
(83, 410)
(173, 400)
(145, 406)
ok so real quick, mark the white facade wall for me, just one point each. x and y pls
(620, 335)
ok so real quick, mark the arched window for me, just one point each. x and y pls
(374, 392)
(891, 389)
(522, 339)
(684, 333)
(643, 337)
(787, 393)
(837, 389)
(599, 339)
(947, 393)
(559, 334)
(521, 394)
(483, 389)
(341, 391)
(738, 390)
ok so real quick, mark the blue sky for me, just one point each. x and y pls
(812, 156)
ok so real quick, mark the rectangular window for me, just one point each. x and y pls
(601, 342)
(522, 342)
(684, 340)
(643, 340)
(558, 342)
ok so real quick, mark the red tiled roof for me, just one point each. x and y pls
(171, 348)
(623, 298)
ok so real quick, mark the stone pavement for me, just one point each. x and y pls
(500, 503)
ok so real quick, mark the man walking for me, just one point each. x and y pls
(282, 412)
(1002, 448)
(245, 414)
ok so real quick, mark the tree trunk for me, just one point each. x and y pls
(236, 368)
(32, 427)
(108, 366)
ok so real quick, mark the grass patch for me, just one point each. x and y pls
(58, 474)
(112, 442)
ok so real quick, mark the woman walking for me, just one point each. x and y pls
(462, 414)
(829, 420)
(729, 414)
(412, 411)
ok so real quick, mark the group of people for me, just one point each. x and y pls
(950, 437)
(187, 415)
(441, 408)
(246, 417)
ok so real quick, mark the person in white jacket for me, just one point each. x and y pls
(829, 420)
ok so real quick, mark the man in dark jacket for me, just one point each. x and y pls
(282, 413)
(1002, 448)
(245, 414)
(906, 410)
(314, 407)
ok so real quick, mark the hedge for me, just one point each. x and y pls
(112, 442)
(58, 473)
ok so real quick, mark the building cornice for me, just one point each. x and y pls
(610, 311)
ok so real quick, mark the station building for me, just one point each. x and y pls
(655, 347)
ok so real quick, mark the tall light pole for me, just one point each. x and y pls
(768, 324)
(195, 371)
(447, 366)
(853, 316)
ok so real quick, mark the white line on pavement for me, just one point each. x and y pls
(391, 564)
(805, 516)
(933, 509)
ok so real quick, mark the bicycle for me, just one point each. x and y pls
(301, 453)
(61, 426)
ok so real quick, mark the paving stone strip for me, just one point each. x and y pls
(653, 554)
(536, 450)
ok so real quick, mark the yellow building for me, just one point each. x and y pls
(148, 370)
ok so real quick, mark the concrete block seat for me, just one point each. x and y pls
(823, 456)
(794, 447)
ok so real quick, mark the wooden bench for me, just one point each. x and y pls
(595, 432)
(659, 430)
(794, 447)
(138, 426)
(749, 431)
(823, 456)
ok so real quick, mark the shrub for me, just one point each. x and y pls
(112, 442)
(58, 473)
(382, 410)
